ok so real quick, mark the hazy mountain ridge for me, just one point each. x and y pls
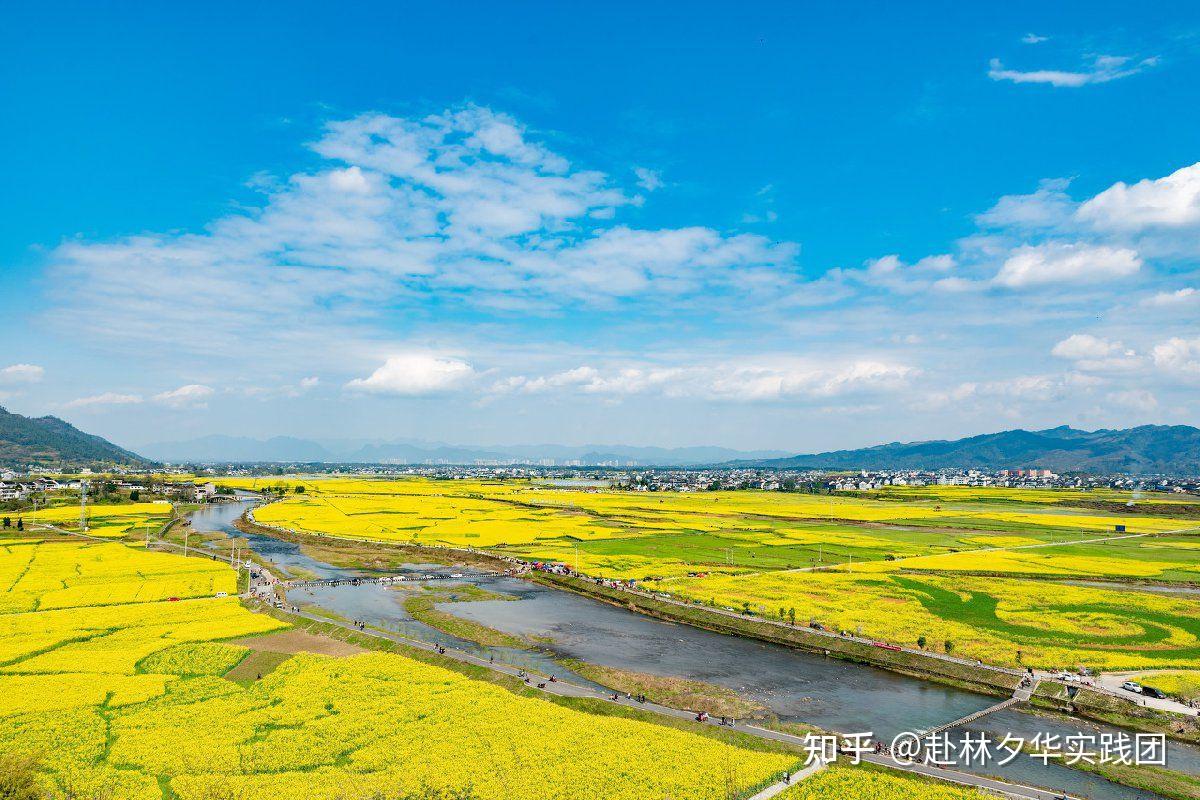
(49, 441)
(219, 448)
(1147, 449)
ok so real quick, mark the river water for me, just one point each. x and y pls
(795, 685)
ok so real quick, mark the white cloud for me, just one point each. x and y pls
(1092, 353)
(1102, 69)
(1084, 345)
(309, 382)
(1048, 207)
(21, 373)
(193, 395)
(1033, 38)
(104, 399)
(648, 179)
(1178, 355)
(464, 206)
(746, 381)
(1002, 393)
(1170, 202)
(1057, 262)
(1180, 297)
(892, 273)
(413, 375)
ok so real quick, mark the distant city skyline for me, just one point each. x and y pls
(794, 228)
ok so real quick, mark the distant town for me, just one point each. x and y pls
(18, 486)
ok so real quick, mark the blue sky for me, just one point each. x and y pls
(784, 225)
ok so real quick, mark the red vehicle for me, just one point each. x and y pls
(887, 646)
(172, 599)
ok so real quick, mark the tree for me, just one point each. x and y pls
(792, 615)
(8, 522)
(20, 524)
(300, 489)
(134, 496)
(921, 641)
(782, 612)
(745, 608)
(949, 646)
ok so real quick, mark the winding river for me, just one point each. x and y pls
(795, 685)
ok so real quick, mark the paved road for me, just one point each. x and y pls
(782, 785)
(1110, 683)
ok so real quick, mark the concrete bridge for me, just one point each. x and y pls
(1021, 695)
(390, 580)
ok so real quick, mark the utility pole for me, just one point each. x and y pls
(83, 487)
(186, 532)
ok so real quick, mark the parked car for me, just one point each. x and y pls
(1157, 694)
(1130, 686)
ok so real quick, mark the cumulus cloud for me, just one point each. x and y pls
(1101, 69)
(1172, 201)
(414, 375)
(1072, 263)
(192, 395)
(21, 373)
(1033, 38)
(1178, 355)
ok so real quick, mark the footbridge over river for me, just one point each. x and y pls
(1024, 691)
(389, 580)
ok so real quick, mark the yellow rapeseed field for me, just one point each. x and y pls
(862, 784)
(1051, 625)
(111, 519)
(120, 696)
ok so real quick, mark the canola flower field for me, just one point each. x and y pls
(837, 783)
(1009, 622)
(108, 520)
(120, 695)
(638, 534)
(998, 578)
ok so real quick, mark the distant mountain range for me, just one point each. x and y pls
(222, 449)
(1148, 449)
(50, 442)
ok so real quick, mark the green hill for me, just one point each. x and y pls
(1148, 449)
(50, 442)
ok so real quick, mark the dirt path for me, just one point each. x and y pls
(297, 641)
